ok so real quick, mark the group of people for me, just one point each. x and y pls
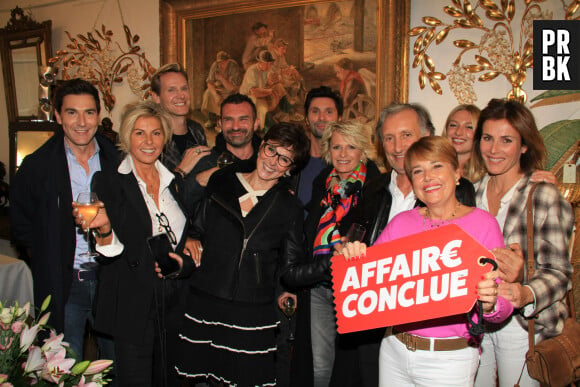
(247, 236)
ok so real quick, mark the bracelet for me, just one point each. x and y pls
(103, 235)
(181, 172)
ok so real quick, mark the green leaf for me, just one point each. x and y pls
(81, 367)
(45, 303)
(559, 137)
(554, 93)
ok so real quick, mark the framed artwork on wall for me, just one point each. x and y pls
(359, 47)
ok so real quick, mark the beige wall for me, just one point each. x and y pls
(79, 16)
(142, 16)
(445, 53)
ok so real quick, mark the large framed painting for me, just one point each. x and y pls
(359, 47)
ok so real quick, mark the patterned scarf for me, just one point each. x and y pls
(337, 203)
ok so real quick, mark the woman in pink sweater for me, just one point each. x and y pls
(446, 353)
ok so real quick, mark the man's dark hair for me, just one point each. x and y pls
(256, 26)
(291, 135)
(324, 92)
(237, 99)
(75, 86)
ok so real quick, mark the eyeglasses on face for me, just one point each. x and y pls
(270, 151)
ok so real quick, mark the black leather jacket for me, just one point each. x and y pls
(375, 207)
(172, 156)
(243, 256)
(190, 192)
(315, 269)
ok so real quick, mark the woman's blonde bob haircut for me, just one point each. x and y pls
(353, 132)
(135, 111)
(431, 148)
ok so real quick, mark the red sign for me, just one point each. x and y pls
(420, 277)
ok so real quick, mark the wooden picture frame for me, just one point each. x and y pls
(177, 37)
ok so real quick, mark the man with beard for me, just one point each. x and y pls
(238, 122)
(188, 144)
(322, 106)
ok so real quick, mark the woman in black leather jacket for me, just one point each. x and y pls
(250, 226)
(335, 193)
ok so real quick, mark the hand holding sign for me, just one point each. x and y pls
(419, 277)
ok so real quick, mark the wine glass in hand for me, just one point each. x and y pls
(88, 205)
(289, 310)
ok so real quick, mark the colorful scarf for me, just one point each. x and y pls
(337, 203)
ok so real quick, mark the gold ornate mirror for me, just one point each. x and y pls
(24, 45)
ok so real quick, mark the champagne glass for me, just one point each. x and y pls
(226, 158)
(88, 207)
(356, 232)
(289, 310)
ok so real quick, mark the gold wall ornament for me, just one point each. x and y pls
(498, 53)
(96, 58)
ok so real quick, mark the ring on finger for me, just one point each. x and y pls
(197, 150)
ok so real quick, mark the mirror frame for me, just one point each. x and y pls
(392, 40)
(18, 33)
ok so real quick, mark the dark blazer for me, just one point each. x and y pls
(128, 282)
(41, 218)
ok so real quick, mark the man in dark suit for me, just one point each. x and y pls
(46, 184)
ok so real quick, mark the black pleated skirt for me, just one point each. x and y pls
(229, 342)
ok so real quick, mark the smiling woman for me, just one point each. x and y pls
(140, 205)
(230, 323)
(460, 128)
(336, 191)
(508, 143)
(432, 166)
(147, 140)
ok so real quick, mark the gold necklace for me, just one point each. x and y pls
(442, 222)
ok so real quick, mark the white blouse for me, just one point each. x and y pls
(167, 205)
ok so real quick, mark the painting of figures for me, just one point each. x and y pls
(276, 55)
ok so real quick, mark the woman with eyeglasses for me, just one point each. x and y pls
(139, 207)
(250, 226)
(346, 147)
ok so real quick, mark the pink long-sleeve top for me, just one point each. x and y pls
(483, 227)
